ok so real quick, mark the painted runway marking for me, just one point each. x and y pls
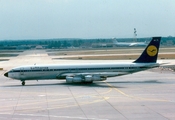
(135, 97)
(54, 116)
(92, 98)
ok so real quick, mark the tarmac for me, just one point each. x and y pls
(139, 96)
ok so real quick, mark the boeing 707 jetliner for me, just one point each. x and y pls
(130, 44)
(88, 72)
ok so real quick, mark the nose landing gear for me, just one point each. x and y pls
(23, 83)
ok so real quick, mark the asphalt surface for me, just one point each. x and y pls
(144, 95)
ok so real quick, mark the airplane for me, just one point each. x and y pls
(87, 73)
(129, 44)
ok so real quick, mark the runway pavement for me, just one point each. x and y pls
(140, 96)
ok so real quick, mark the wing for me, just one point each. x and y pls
(85, 76)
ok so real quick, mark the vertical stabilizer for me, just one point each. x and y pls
(150, 54)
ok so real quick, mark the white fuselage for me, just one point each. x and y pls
(130, 44)
(37, 72)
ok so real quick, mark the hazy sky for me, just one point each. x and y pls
(35, 19)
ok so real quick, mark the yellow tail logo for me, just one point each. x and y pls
(151, 50)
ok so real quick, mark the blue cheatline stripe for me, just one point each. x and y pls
(113, 68)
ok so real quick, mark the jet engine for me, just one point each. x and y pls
(87, 78)
(94, 78)
(70, 79)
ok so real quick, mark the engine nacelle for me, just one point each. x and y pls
(87, 78)
(70, 79)
(94, 78)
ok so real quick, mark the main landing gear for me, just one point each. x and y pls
(23, 83)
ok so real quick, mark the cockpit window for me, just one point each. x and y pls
(14, 70)
(11, 70)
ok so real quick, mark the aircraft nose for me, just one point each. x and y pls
(6, 74)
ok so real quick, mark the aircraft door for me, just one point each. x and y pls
(21, 71)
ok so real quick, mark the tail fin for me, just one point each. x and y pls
(150, 54)
(115, 41)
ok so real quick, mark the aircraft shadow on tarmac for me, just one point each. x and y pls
(143, 82)
(95, 84)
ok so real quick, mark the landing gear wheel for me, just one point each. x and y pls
(90, 82)
(23, 83)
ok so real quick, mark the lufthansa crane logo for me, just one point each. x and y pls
(151, 50)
